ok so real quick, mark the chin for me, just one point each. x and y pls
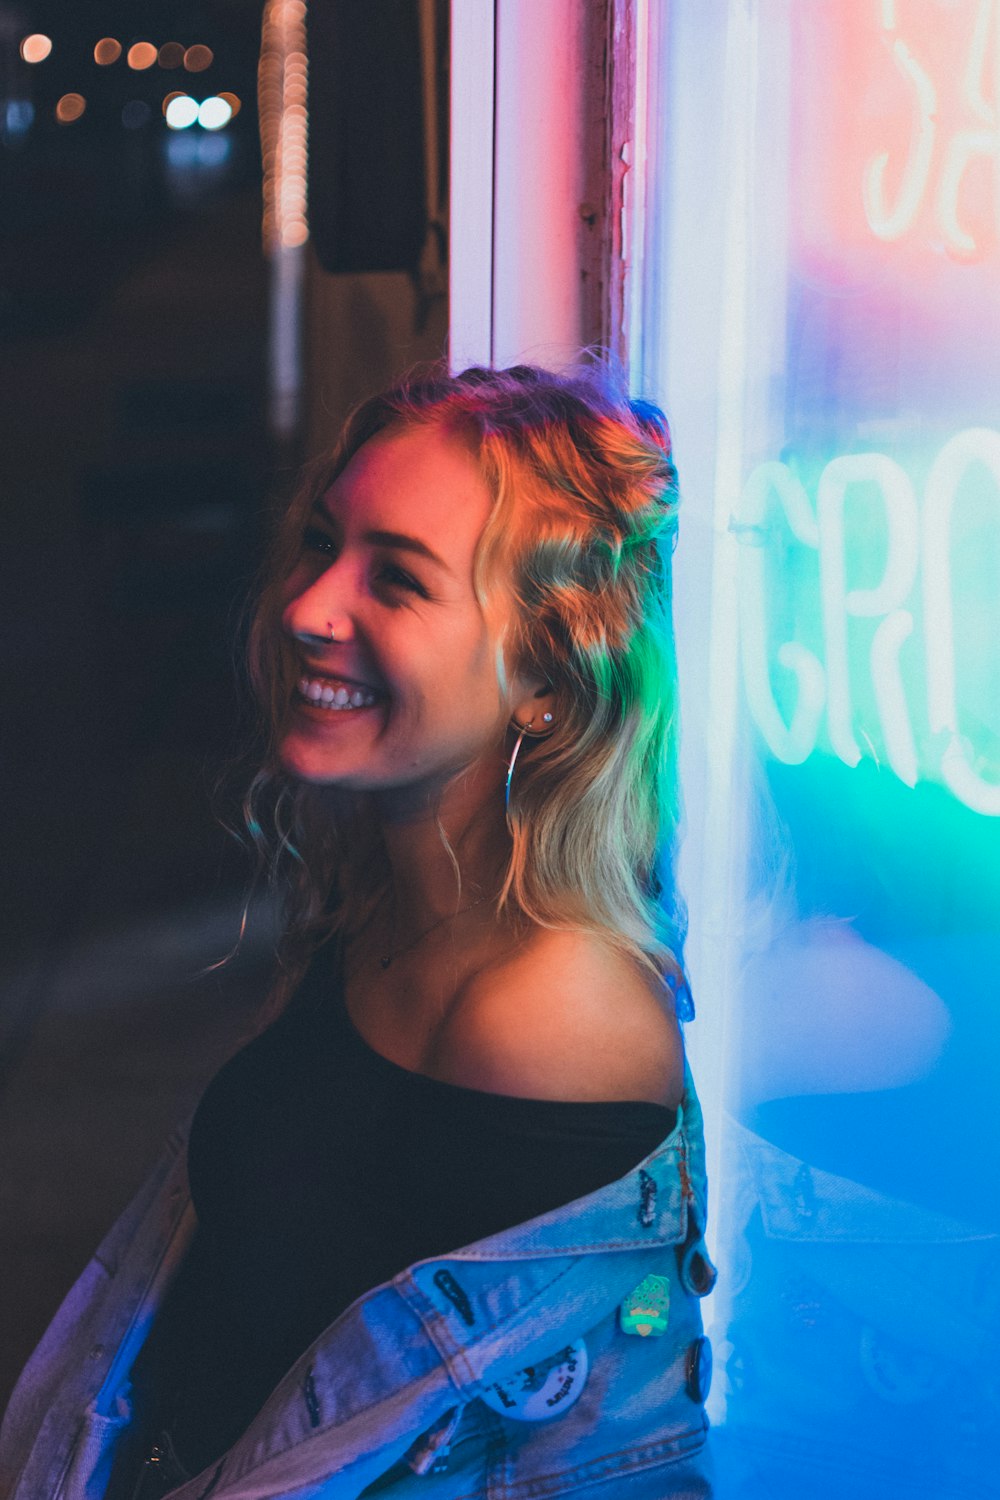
(305, 762)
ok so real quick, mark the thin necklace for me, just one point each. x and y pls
(386, 959)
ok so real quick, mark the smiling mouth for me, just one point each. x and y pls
(335, 697)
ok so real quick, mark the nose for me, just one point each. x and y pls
(320, 613)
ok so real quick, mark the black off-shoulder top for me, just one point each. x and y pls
(318, 1170)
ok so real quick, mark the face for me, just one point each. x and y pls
(406, 694)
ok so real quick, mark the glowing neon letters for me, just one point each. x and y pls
(914, 543)
(929, 145)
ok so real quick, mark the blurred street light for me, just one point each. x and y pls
(36, 48)
(70, 108)
(141, 55)
(197, 59)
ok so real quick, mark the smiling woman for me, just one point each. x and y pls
(531, 593)
(434, 1199)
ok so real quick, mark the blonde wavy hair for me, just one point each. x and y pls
(572, 571)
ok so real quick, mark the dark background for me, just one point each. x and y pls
(139, 474)
(136, 473)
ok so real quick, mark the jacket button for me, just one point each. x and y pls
(699, 1370)
(97, 1351)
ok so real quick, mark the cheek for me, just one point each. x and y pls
(453, 699)
(485, 671)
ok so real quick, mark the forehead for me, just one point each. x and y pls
(422, 480)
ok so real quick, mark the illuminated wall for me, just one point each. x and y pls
(821, 315)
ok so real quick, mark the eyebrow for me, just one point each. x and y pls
(398, 539)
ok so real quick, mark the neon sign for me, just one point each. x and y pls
(917, 543)
(945, 141)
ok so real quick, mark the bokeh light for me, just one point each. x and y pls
(214, 113)
(36, 47)
(107, 51)
(136, 114)
(170, 55)
(197, 59)
(169, 98)
(233, 100)
(198, 150)
(141, 55)
(19, 116)
(70, 108)
(181, 112)
(283, 96)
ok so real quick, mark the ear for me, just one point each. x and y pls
(533, 699)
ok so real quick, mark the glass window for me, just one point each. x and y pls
(820, 313)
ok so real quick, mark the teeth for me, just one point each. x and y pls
(335, 699)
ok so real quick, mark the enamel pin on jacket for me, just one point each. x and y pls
(520, 1366)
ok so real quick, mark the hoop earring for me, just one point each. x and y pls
(523, 729)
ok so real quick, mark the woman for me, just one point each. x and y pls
(448, 1202)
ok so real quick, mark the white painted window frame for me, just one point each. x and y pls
(537, 168)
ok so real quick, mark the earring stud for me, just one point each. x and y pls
(333, 634)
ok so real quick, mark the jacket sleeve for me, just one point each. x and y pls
(73, 1358)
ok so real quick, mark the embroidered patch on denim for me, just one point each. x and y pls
(429, 1454)
(311, 1399)
(647, 1200)
(646, 1310)
(544, 1390)
(682, 1171)
(446, 1283)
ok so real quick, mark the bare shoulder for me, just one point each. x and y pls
(565, 1016)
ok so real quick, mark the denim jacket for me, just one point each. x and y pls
(524, 1365)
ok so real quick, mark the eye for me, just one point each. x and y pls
(397, 578)
(314, 540)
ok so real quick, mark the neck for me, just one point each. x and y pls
(467, 816)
